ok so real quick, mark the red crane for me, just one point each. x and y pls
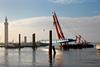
(80, 39)
(58, 27)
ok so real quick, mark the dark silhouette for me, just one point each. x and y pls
(50, 46)
(53, 47)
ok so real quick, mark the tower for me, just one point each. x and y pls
(6, 31)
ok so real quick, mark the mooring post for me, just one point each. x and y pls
(50, 46)
(33, 41)
(25, 40)
(19, 41)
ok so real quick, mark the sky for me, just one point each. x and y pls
(35, 16)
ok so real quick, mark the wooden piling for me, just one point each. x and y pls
(50, 46)
(19, 41)
(33, 41)
(25, 40)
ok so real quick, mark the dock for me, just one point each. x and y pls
(28, 45)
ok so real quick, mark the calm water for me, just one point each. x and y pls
(89, 57)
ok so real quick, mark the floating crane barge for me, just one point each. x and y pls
(65, 45)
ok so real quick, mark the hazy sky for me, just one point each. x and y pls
(29, 16)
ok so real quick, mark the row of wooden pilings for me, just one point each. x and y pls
(34, 44)
(33, 41)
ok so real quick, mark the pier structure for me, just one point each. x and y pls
(33, 41)
(50, 46)
(6, 32)
(19, 41)
(25, 40)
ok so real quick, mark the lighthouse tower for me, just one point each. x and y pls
(6, 31)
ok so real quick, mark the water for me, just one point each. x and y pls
(26, 57)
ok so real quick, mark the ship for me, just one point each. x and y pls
(79, 41)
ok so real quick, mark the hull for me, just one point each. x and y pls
(76, 46)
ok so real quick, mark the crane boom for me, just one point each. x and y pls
(58, 27)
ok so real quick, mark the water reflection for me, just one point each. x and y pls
(98, 46)
(58, 58)
(6, 58)
(54, 55)
(34, 58)
(29, 58)
(19, 57)
(98, 54)
(98, 51)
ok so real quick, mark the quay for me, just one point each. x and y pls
(29, 45)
